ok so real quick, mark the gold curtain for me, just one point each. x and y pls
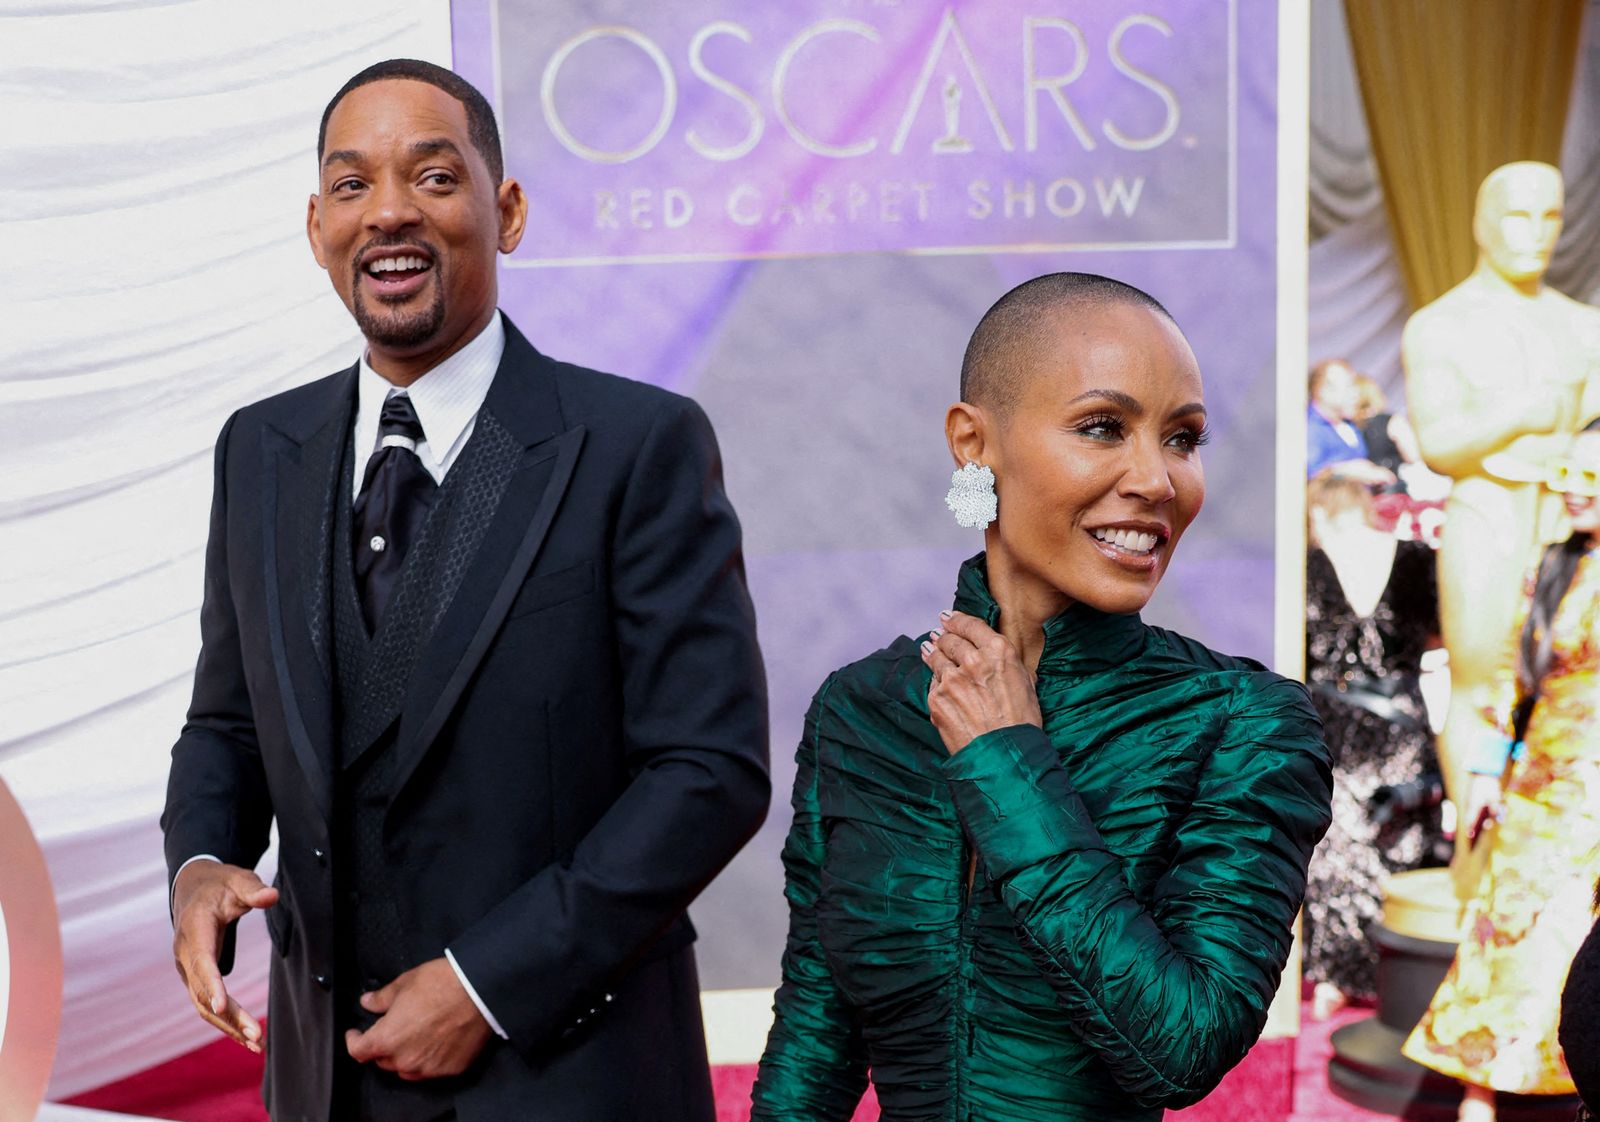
(1452, 90)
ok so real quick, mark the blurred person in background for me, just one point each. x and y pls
(1532, 809)
(1333, 441)
(1371, 610)
(1391, 444)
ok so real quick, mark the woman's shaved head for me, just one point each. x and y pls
(998, 354)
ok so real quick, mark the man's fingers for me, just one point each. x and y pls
(372, 1047)
(231, 1020)
(247, 891)
(213, 1001)
(205, 982)
(230, 1030)
(242, 1026)
(378, 1001)
(250, 1027)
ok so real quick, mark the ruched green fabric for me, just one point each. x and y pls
(1139, 863)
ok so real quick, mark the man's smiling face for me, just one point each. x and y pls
(409, 221)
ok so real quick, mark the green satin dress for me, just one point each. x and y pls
(1135, 866)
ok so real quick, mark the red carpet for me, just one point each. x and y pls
(1280, 1081)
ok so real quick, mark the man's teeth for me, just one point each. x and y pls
(1131, 540)
(395, 264)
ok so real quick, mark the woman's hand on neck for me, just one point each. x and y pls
(1026, 603)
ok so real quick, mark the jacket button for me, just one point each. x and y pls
(323, 980)
(322, 858)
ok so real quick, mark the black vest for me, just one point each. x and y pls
(370, 674)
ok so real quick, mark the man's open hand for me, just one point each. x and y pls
(429, 1026)
(206, 898)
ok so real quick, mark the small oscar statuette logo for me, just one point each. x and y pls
(952, 142)
(30, 967)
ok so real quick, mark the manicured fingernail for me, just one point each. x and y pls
(927, 647)
(935, 633)
(945, 615)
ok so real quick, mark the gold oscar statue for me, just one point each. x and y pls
(1500, 373)
(30, 976)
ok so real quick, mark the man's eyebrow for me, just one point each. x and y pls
(437, 144)
(342, 155)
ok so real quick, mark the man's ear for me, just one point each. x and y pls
(969, 431)
(314, 230)
(513, 206)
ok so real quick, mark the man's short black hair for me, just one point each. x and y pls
(481, 128)
(996, 360)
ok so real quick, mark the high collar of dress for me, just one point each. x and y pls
(1077, 640)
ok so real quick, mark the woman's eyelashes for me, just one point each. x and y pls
(1108, 429)
(1100, 427)
(1190, 439)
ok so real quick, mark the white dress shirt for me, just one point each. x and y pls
(447, 399)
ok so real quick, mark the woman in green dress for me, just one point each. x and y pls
(1045, 862)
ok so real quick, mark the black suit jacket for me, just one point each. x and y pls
(583, 743)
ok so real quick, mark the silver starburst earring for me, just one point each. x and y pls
(971, 497)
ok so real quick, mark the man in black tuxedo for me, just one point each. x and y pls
(476, 636)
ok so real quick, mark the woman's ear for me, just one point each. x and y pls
(967, 432)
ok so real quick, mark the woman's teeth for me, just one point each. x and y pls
(1131, 540)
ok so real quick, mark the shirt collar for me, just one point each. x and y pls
(1080, 638)
(446, 398)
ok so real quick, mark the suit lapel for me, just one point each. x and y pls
(303, 454)
(523, 413)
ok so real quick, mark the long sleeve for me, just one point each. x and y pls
(814, 1068)
(1171, 993)
(1579, 1031)
(695, 723)
(217, 798)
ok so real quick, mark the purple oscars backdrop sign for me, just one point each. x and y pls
(796, 213)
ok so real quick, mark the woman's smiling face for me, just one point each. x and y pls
(1097, 462)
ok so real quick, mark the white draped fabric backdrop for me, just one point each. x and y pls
(158, 156)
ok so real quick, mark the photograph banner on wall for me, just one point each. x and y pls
(712, 133)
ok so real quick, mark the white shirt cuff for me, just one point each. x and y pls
(172, 891)
(476, 1000)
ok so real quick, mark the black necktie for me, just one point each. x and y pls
(396, 492)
